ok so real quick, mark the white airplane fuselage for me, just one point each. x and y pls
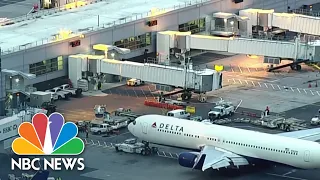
(194, 135)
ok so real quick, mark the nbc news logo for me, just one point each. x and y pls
(48, 137)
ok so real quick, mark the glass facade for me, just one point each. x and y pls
(136, 42)
(46, 66)
(194, 26)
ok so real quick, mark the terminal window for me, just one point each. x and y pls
(194, 26)
(135, 42)
(46, 66)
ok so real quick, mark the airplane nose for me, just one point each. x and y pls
(130, 128)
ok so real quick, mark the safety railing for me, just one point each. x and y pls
(264, 35)
(101, 25)
(306, 12)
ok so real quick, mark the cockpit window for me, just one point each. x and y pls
(134, 122)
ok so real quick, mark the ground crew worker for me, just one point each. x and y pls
(267, 110)
(87, 133)
(99, 85)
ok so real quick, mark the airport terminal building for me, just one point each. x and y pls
(48, 60)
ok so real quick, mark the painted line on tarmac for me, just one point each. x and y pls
(284, 176)
(110, 137)
(97, 143)
(266, 86)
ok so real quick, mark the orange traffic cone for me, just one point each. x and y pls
(309, 85)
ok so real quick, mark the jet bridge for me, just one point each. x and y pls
(288, 21)
(198, 80)
(169, 41)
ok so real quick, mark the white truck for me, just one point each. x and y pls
(61, 94)
(179, 113)
(101, 129)
(76, 92)
(134, 82)
(315, 120)
(53, 98)
(115, 125)
(132, 146)
(220, 111)
(175, 102)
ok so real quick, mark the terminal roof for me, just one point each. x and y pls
(79, 19)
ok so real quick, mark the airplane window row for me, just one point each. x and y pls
(173, 132)
(190, 135)
(235, 143)
(258, 147)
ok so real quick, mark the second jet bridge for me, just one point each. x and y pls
(201, 81)
(170, 40)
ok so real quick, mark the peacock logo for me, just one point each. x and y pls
(48, 136)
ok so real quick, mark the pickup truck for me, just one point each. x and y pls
(101, 129)
(61, 94)
(118, 125)
(221, 111)
(76, 92)
(175, 102)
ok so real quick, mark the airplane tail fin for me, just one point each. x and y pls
(41, 175)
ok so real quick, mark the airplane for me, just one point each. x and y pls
(216, 146)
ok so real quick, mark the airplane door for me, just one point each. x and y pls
(307, 156)
(145, 128)
(219, 141)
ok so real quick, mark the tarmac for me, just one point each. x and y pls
(102, 162)
(15, 8)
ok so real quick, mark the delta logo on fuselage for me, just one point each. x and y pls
(168, 127)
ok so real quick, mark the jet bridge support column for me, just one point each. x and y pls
(296, 51)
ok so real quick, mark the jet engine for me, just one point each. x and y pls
(188, 159)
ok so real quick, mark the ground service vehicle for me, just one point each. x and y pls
(117, 124)
(82, 125)
(179, 113)
(134, 82)
(36, 98)
(51, 108)
(76, 92)
(132, 146)
(315, 120)
(61, 94)
(221, 111)
(175, 102)
(101, 129)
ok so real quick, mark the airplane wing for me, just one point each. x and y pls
(308, 134)
(219, 158)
